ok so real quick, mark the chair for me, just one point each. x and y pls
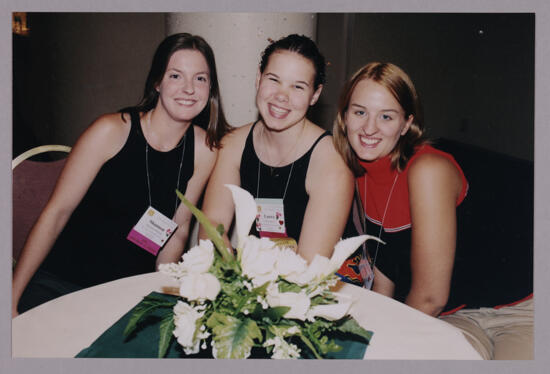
(33, 183)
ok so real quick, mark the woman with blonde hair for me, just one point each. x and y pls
(409, 190)
(410, 194)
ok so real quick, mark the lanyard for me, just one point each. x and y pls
(179, 171)
(287, 181)
(383, 215)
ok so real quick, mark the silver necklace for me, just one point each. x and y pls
(383, 215)
(179, 170)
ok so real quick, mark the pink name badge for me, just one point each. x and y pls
(152, 231)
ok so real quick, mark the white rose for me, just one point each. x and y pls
(199, 286)
(258, 260)
(185, 321)
(173, 270)
(298, 302)
(318, 268)
(199, 258)
(291, 266)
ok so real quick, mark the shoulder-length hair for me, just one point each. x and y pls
(398, 83)
(212, 117)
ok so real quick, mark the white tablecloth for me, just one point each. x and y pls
(66, 325)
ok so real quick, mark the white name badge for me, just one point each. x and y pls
(270, 219)
(152, 230)
(366, 272)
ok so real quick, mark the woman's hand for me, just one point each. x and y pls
(434, 187)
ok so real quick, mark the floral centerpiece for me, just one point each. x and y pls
(260, 296)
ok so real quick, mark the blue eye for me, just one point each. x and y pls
(359, 112)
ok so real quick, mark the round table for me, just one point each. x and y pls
(64, 326)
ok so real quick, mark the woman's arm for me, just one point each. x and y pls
(205, 158)
(329, 184)
(101, 141)
(434, 186)
(218, 204)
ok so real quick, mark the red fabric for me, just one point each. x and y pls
(33, 183)
(379, 180)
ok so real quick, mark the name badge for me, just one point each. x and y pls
(152, 231)
(366, 272)
(270, 219)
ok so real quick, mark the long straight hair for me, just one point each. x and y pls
(212, 117)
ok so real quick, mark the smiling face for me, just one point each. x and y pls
(285, 90)
(185, 87)
(374, 121)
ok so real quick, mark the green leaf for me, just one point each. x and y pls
(141, 311)
(323, 300)
(220, 229)
(310, 345)
(277, 312)
(211, 231)
(166, 335)
(285, 286)
(233, 338)
(350, 326)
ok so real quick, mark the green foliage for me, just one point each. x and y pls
(350, 326)
(233, 337)
(212, 232)
(286, 286)
(145, 308)
(166, 329)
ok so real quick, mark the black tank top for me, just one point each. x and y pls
(273, 181)
(92, 248)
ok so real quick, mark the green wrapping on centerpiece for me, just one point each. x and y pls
(143, 343)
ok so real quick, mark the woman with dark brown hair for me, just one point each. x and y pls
(98, 224)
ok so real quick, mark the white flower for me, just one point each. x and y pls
(331, 311)
(185, 321)
(173, 270)
(197, 286)
(291, 266)
(298, 302)
(344, 248)
(199, 258)
(258, 260)
(245, 212)
(282, 349)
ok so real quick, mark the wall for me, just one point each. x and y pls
(474, 72)
(76, 66)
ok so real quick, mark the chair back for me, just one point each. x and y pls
(33, 183)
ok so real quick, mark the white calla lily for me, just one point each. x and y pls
(344, 248)
(245, 212)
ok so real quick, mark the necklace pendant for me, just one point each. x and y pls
(274, 172)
